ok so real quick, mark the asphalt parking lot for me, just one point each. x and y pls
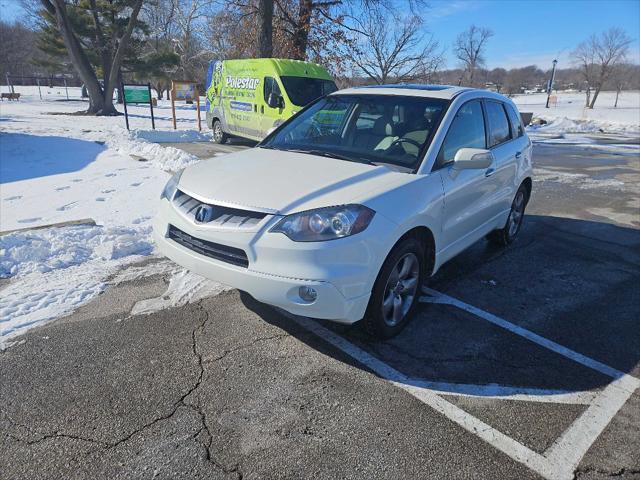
(523, 363)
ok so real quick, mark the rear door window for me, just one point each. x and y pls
(466, 131)
(517, 130)
(498, 124)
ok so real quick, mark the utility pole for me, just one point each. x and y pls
(553, 77)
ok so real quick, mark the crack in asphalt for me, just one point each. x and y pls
(197, 408)
(249, 345)
(617, 473)
(183, 401)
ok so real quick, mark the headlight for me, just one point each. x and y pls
(171, 186)
(325, 223)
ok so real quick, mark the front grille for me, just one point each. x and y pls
(224, 253)
(223, 217)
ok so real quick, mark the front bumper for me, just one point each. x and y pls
(341, 271)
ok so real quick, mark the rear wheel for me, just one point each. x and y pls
(510, 231)
(396, 291)
(218, 134)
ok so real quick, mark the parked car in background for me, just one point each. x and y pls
(347, 208)
(248, 98)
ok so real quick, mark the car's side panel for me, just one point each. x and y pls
(472, 207)
(418, 203)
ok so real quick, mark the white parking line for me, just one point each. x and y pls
(437, 297)
(502, 392)
(560, 460)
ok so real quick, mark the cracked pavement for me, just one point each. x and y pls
(229, 388)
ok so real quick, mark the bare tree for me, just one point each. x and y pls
(621, 76)
(469, 49)
(190, 37)
(394, 50)
(110, 49)
(597, 57)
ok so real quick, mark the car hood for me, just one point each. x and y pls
(281, 182)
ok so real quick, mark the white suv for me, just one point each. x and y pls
(347, 208)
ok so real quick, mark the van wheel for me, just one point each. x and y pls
(395, 294)
(218, 134)
(509, 232)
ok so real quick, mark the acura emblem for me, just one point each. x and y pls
(204, 213)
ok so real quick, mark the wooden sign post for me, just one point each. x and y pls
(187, 91)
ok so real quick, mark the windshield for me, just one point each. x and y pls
(378, 129)
(302, 90)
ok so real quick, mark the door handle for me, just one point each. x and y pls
(518, 154)
(489, 172)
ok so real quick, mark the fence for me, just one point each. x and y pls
(44, 88)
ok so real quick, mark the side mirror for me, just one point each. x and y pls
(275, 101)
(472, 158)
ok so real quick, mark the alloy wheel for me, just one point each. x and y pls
(400, 290)
(217, 131)
(517, 212)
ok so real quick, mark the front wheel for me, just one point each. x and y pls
(395, 294)
(218, 134)
(509, 232)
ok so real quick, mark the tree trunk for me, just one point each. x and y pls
(76, 54)
(107, 107)
(588, 94)
(615, 105)
(120, 82)
(595, 96)
(265, 36)
(301, 34)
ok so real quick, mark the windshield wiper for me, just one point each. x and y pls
(324, 153)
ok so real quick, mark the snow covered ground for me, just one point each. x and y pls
(59, 167)
(569, 115)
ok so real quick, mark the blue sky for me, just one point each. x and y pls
(532, 32)
(525, 31)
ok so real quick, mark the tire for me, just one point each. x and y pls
(385, 317)
(218, 133)
(507, 234)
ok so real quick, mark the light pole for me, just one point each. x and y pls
(550, 87)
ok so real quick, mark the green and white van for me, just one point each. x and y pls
(248, 98)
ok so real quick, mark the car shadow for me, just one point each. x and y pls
(573, 282)
(32, 156)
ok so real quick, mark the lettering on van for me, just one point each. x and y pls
(247, 83)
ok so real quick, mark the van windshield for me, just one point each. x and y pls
(304, 90)
(376, 129)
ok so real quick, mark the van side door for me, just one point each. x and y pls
(469, 195)
(270, 115)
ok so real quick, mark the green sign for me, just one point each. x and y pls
(137, 94)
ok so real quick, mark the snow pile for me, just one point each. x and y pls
(22, 253)
(562, 125)
(570, 115)
(184, 287)
(168, 159)
(33, 298)
(171, 136)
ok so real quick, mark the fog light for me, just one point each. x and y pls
(308, 294)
